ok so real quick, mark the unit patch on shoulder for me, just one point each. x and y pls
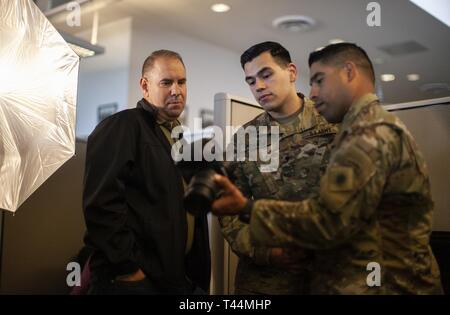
(341, 178)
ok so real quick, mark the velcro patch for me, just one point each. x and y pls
(341, 178)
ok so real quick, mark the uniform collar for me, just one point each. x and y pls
(306, 118)
(356, 108)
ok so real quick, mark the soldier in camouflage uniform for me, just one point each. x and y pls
(303, 153)
(374, 203)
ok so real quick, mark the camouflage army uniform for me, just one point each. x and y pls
(303, 154)
(374, 206)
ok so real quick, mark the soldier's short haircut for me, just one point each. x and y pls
(162, 53)
(338, 54)
(278, 52)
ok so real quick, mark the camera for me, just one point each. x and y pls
(201, 190)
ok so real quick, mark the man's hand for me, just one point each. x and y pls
(231, 202)
(137, 276)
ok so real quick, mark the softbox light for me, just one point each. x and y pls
(38, 87)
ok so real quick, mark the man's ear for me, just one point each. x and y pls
(350, 70)
(143, 83)
(292, 72)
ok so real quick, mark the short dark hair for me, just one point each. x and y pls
(278, 52)
(339, 53)
(162, 53)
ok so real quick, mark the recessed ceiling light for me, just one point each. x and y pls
(220, 7)
(387, 77)
(294, 23)
(336, 41)
(413, 77)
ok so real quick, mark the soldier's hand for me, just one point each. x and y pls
(231, 201)
(287, 258)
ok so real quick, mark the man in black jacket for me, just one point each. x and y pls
(144, 241)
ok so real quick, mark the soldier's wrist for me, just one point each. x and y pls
(246, 213)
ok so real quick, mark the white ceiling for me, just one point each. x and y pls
(250, 22)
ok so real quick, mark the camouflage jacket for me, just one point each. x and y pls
(374, 206)
(303, 155)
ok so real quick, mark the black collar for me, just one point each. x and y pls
(150, 108)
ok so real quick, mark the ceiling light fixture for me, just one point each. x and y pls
(387, 77)
(294, 23)
(413, 77)
(220, 7)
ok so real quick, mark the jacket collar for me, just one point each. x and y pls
(356, 108)
(150, 108)
(352, 115)
(153, 111)
(307, 118)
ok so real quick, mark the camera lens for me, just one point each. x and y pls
(201, 192)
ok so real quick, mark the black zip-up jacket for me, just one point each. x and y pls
(133, 205)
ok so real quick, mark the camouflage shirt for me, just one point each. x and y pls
(303, 155)
(374, 206)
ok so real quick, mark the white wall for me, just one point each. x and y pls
(99, 88)
(210, 68)
(103, 79)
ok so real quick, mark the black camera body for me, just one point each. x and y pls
(201, 190)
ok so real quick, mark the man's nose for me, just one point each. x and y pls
(259, 85)
(175, 90)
